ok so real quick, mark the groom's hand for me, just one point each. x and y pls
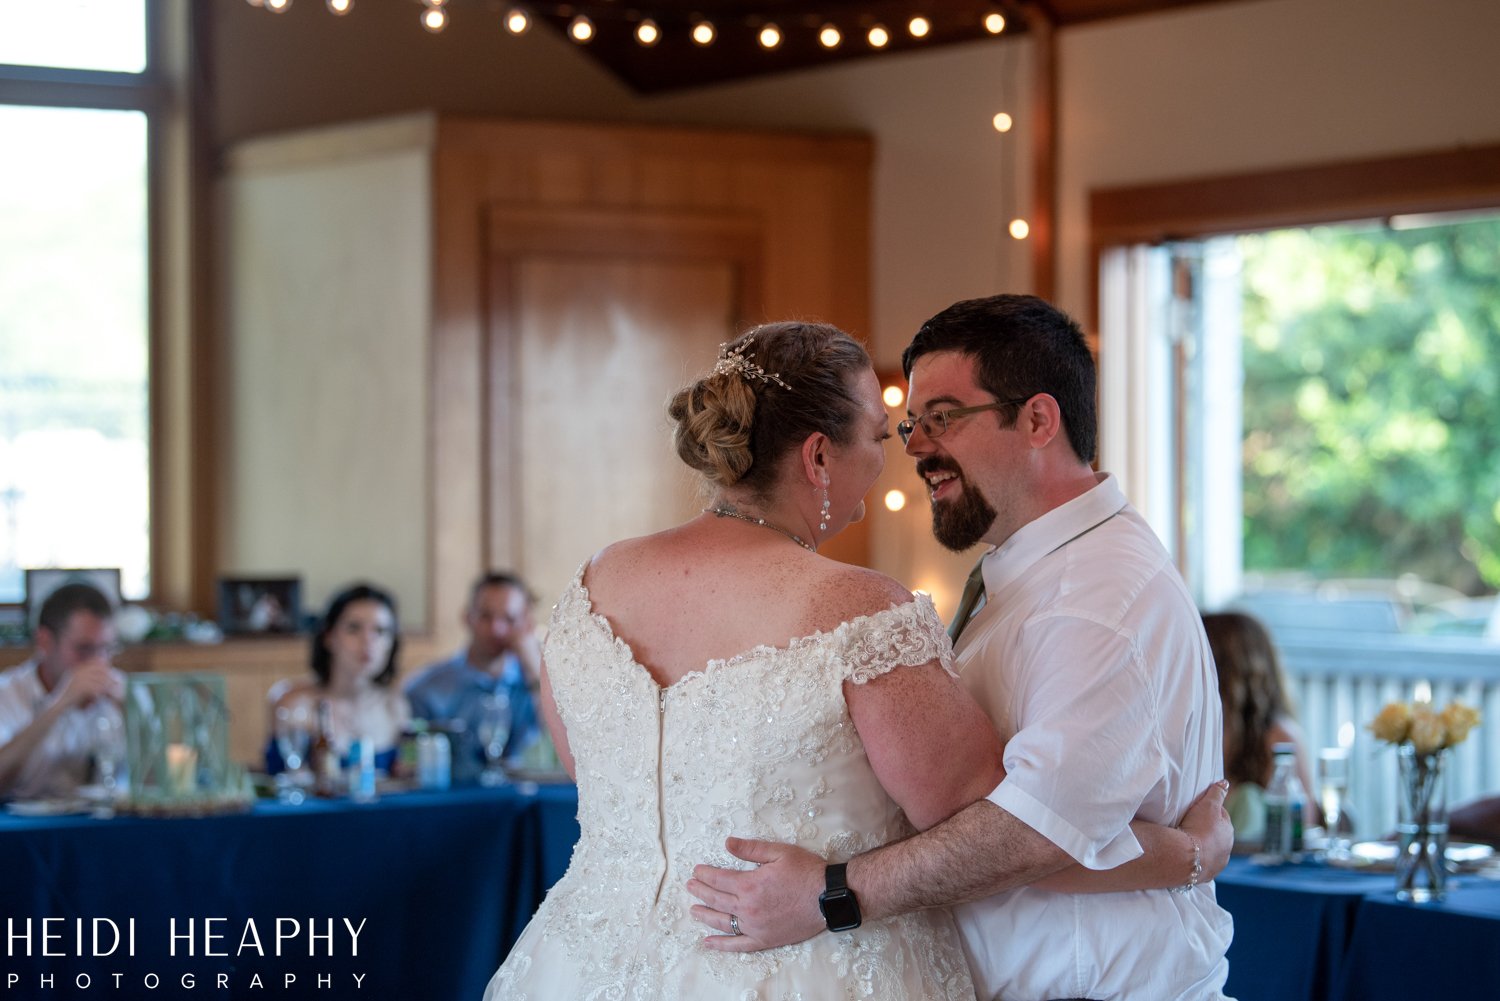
(773, 904)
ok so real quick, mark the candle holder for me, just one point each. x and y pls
(177, 742)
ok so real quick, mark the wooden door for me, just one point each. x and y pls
(595, 320)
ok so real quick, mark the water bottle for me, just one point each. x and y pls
(1285, 805)
(362, 771)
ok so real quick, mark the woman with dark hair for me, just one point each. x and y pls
(1258, 715)
(353, 665)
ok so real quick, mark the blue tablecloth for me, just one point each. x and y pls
(1403, 951)
(443, 883)
(1309, 932)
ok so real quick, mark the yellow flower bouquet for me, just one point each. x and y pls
(1422, 736)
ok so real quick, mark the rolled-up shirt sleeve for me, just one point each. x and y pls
(1087, 752)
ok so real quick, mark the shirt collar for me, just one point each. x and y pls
(1053, 530)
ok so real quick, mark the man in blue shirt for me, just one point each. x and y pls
(503, 658)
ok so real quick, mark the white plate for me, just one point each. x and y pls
(1381, 856)
(47, 807)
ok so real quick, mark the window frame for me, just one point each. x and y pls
(176, 160)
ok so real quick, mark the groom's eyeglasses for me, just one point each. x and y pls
(934, 423)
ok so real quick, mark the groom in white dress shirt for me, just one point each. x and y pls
(1079, 638)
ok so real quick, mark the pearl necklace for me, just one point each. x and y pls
(729, 512)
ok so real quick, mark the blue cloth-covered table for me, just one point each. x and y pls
(442, 881)
(1402, 951)
(1309, 932)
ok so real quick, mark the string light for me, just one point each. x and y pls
(1003, 122)
(895, 500)
(517, 21)
(1019, 229)
(519, 14)
(893, 396)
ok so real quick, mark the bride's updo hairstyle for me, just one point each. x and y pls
(772, 387)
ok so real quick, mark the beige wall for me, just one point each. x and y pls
(324, 378)
(1218, 89)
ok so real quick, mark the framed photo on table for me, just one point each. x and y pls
(42, 581)
(260, 606)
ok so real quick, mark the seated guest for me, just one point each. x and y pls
(354, 670)
(1257, 717)
(503, 656)
(56, 706)
(1476, 820)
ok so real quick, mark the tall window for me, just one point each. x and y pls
(76, 95)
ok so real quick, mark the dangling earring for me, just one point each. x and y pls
(823, 523)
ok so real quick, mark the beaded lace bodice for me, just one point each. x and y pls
(759, 745)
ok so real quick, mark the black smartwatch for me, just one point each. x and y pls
(839, 905)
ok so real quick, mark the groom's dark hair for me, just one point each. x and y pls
(1023, 346)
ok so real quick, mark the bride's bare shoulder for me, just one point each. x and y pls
(847, 592)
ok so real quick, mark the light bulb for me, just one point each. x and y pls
(878, 37)
(895, 500)
(1019, 229)
(770, 36)
(919, 26)
(581, 29)
(829, 37)
(517, 21)
(277, 6)
(647, 33)
(893, 396)
(434, 19)
(340, 7)
(994, 23)
(703, 33)
(1003, 122)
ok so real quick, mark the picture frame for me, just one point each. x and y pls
(260, 606)
(42, 581)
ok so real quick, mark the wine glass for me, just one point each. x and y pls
(493, 731)
(293, 738)
(109, 757)
(1333, 793)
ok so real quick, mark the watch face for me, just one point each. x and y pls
(840, 910)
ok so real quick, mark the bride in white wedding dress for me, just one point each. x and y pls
(722, 678)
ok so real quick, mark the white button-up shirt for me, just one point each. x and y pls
(64, 759)
(1090, 658)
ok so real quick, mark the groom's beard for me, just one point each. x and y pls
(961, 521)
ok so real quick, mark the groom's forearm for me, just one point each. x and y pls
(978, 851)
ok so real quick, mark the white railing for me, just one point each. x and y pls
(1346, 678)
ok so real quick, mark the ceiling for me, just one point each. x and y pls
(675, 62)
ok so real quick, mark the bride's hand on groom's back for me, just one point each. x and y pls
(774, 904)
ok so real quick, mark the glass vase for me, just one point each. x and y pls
(1422, 825)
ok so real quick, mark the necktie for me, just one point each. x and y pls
(972, 597)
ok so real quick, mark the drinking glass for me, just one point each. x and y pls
(293, 738)
(109, 757)
(1333, 794)
(493, 731)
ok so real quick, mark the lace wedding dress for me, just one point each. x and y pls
(759, 745)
